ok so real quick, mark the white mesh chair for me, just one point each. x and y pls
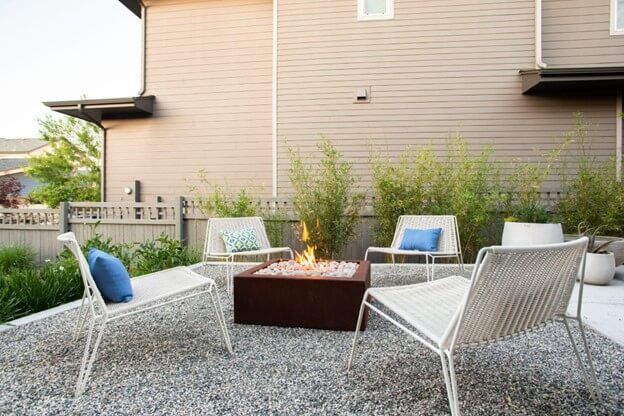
(149, 291)
(512, 290)
(448, 244)
(214, 247)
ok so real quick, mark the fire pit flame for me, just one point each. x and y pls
(307, 259)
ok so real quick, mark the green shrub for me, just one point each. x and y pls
(222, 203)
(33, 290)
(463, 183)
(593, 198)
(525, 183)
(16, 257)
(402, 188)
(164, 253)
(326, 199)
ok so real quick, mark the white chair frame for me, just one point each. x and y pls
(476, 311)
(214, 247)
(449, 245)
(150, 291)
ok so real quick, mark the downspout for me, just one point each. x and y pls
(274, 103)
(618, 136)
(143, 27)
(538, 35)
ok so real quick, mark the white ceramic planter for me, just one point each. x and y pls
(600, 268)
(531, 234)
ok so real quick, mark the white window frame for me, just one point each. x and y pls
(388, 15)
(613, 29)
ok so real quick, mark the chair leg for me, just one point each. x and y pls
(432, 267)
(427, 266)
(82, 316)
(592, 385)
(591, 361)
(449, 380)
(393, 259)
(89, 357)
(357, 330)
(366, 255)
(216, 303)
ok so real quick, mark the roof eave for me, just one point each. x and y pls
(554, 80)
(106, 108)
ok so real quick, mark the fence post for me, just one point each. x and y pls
(64, 217)
(179, 216)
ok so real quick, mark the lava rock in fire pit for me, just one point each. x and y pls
(331, 268)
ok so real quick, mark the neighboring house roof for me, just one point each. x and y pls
(20, 145)
(12, 164)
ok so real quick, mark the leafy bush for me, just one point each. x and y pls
(593, 198)
(327, 196)
(161, 254)
(464, 184)
(29, 289)
(222, 203)
(123, 252)
(10, 188)
(526, 182)
(402, 188)
(16, 257)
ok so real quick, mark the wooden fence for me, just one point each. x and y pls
(139, 222)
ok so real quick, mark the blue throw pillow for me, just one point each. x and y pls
(421, 240)
(110, 275)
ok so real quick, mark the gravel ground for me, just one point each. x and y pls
(172, 361)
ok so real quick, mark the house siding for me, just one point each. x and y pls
(576, 33)
(209, 66)
(437, 68)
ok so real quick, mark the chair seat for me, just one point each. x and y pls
(429, 307)
(154, 286)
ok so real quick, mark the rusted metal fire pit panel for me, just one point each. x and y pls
(300, 301)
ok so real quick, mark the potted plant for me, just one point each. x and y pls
(528, 220)
(599, 262)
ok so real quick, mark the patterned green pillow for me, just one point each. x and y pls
(241, 240)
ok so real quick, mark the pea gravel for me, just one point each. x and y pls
(172, 361)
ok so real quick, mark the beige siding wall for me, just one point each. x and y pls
(576, 33)
(439, 66)
(209, 66)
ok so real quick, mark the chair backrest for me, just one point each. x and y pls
(449, 238)
(214, 240)
(516, 289)
(69, 239)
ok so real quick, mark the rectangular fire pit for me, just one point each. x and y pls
(320, 302)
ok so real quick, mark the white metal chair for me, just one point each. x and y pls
(150, 291)
(512, 290)
(448, 245)
(214, 247)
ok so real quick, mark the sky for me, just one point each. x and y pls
(54, 50)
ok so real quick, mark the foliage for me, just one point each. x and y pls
(275, 223)
(221, 202)
(25, 289)
(593, 198)
(123, 252)
(526, 182)
(595, 246)
(71, 170)
(463, 183)
(161, 254)
(16, 257)
(10, 188)
(402, 188)
(326, 195)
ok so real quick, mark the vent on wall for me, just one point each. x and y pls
(361, 95)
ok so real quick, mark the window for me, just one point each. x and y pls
(378, 9)
(617, 17)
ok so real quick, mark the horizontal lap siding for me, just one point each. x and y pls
(576, 33)
(440, 66)
(209, 66)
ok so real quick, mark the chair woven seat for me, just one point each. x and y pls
(428, 307)
(157, 286)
